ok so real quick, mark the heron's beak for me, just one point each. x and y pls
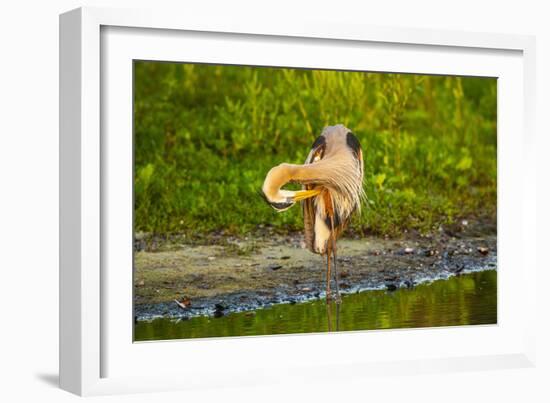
(305, 194)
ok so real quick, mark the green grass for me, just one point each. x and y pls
(206, 135)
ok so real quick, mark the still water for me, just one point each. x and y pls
(470, 299)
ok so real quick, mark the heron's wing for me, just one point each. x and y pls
(308, 205)
(309, 220)
(308, 209)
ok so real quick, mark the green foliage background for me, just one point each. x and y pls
(206, 135)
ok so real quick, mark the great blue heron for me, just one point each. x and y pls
(332, 189)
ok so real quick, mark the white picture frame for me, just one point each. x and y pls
(97, 357)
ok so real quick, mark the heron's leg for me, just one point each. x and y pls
(333, 239)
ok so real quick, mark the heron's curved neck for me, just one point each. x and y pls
(276, 178)
(304, 174)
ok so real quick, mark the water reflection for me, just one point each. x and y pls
(466, 300)
(329, 316)
(332, 305)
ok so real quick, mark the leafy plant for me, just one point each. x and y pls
(206, 135)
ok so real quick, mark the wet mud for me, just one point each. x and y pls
(223, 274)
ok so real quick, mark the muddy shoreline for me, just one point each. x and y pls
(228, 274)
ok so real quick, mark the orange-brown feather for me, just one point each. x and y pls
(309, 221)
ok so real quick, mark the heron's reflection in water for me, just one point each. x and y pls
(329, 315)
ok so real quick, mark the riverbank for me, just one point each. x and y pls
(469, 299)
(221, 274)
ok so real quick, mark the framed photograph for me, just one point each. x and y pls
(258, 201)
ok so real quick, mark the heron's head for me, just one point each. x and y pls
(282, 199)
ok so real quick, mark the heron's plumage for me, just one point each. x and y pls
(340, 172)
(334, 168)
